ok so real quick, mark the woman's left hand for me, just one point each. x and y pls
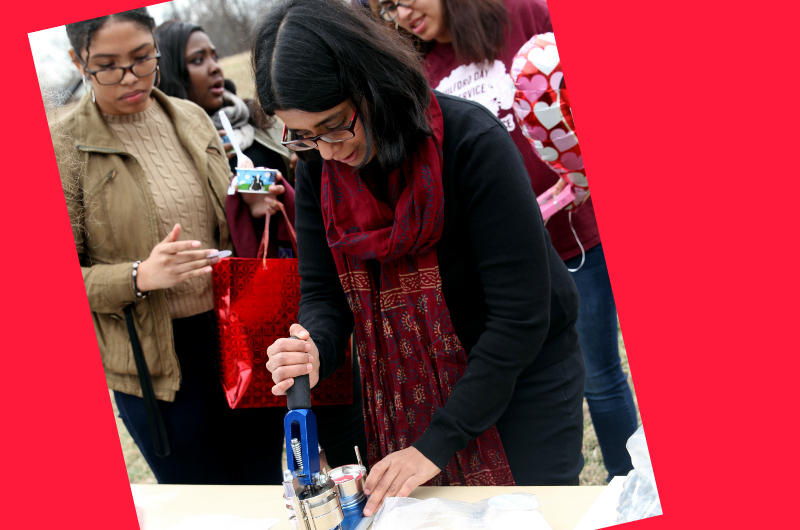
(260, 205)
(558, 187)
(580, 196)
(397, 475)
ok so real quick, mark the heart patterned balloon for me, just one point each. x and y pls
(542, 110)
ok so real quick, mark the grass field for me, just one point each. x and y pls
(594, 472)
(237, 68)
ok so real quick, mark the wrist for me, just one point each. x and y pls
(138, 287)
(437, 445)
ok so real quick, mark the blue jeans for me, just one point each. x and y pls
(607, 392)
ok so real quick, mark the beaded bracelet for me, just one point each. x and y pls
(139, 294)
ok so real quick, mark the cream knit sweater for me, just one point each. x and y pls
(178, 194)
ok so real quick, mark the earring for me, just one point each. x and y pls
(158, 76)
(396, 25)
(86, 86)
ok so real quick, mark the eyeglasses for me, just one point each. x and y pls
(115, 74)
(331, 137)
(389, 9)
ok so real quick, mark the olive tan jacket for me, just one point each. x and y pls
(114, 223)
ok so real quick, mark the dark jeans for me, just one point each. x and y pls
(212, 444)
(542, 428)
(607, 392)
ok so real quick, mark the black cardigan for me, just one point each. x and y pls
(512, 301)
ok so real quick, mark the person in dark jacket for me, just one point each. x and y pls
(419, 230)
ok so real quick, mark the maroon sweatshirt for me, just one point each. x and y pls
(491, 85)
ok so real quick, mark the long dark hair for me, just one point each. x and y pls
(172, 37)
(312, 55)
(478, 29)
(80, 33)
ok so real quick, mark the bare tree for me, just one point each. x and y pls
(229, 23)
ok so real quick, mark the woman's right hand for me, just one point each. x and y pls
(172, 262)
(261, 205)
(290, 358)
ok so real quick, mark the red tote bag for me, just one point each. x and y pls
(255, 301)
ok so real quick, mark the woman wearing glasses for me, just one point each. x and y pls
(145, 178)
(468, 49)
(418, 229)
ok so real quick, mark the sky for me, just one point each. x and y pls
(49, 48)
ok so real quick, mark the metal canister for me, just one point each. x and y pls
(318, 508)
(290, 485)
(349, 483)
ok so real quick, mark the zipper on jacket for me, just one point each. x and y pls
(104, 150)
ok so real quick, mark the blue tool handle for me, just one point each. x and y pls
(298, 396)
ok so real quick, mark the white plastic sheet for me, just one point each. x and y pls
(639, 498)
(504, 512)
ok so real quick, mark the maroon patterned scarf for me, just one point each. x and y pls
(409, 354)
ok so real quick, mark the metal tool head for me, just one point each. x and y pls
(318, 508)
(300, 426)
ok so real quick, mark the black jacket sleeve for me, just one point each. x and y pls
(324, 311)
(513, 254)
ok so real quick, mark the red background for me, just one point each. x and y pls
(685, 113)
